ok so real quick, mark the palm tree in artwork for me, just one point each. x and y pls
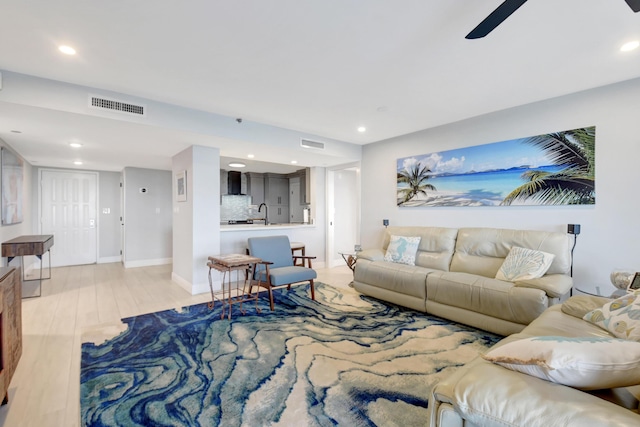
(415, 178)
(574, 184)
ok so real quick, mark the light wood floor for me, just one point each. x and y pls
(45, 390)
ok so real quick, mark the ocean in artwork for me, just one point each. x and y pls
(474, 189)
(551, 169)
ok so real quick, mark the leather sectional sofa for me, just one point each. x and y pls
(454, 276)
(482, 393)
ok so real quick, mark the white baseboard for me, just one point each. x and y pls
(193, 289)
(109, 259)
(147, 262)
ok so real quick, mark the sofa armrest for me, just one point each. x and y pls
(554, 285)
(371, 255)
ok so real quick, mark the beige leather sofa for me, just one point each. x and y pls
(454, 276)
(481, 393)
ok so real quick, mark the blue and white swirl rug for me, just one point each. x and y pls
(343, 359)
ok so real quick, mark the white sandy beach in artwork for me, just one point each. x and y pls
(447, 198)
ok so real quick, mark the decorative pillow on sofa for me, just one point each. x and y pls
(524, 264)
(402, 250)
(621, 316)
(588, 363)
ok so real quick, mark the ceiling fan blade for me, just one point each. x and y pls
(634, 5)
(501, 13)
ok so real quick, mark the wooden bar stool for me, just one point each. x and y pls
(298, 246)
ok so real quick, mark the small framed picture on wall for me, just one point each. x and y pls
(181, 186)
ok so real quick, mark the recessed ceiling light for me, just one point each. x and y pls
(293, 162)
(627, 47)
(251, 156)
(77, 162)
(362, 129)
(237, 165)
(75, 144)
(67, 50)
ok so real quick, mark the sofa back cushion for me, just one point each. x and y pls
(436, 244)
(482, 250)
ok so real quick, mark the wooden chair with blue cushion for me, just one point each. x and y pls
(278, 267)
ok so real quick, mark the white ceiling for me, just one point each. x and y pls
(322, 67)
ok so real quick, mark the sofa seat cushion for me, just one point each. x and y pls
(401, 278)
(488, 296)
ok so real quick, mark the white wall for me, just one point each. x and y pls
(196, 222)
(147, 217)
(610, 229)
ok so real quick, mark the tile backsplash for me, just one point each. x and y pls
(236, 208)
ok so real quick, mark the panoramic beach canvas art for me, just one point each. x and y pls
(551, 169)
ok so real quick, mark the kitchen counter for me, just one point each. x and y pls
(262, 227)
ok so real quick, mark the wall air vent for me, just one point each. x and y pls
(311, 144)
(113, 105)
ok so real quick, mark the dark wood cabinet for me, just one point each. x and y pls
(10, 326)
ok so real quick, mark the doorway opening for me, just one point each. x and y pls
(343, 212)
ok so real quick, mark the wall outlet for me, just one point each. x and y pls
(573, 228)
(385, 222)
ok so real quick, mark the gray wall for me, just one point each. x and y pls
(109, 227)
(147, 217)
(610, 231)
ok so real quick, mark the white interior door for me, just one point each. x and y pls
(343, 211)
(68, 206)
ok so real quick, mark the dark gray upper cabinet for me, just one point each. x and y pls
(255, 187)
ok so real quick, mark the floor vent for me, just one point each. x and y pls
(113, 105)
(311, 144)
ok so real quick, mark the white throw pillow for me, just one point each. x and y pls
(524, 264)
(621, 316)
(402, 250)
(587, 363)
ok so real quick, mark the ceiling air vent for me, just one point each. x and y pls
(113, 105)
(311, 144)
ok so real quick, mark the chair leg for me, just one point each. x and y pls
(313, 290)
(270, 297)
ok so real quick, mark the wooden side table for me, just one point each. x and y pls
(36, 245)
(226, 264)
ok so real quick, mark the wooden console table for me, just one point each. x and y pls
(36, 245)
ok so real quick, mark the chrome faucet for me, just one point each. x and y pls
(266, 213)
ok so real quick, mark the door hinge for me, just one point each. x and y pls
(120, 252)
